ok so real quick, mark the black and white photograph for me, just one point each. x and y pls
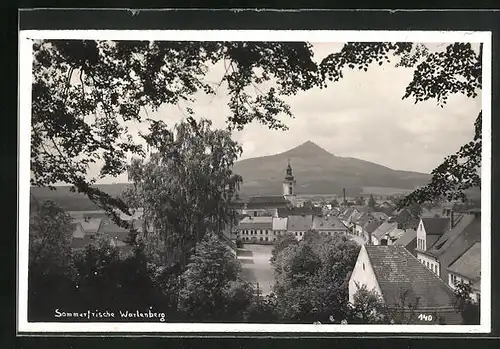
(254, 181)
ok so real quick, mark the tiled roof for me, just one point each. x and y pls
(300, 223)
(456, 241)
(362, 219)
(384, 228)
(435, 226)
(408, 237)
(347, 212)
(399, 272)
(469, 263)
(372, 226)
(327, 223)
(379, 215)
(275, 201)
(298, 211)
(259, 223)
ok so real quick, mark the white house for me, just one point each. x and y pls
(382, 232)
(256, 229)
(330, 226)
(429, 230)
(395, 274)
(279, 226)
(299, 225)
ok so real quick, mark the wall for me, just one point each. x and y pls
(362, 275)
(421, 237)
(430, 262)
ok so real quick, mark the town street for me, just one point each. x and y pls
(357, 239)
(256, 267)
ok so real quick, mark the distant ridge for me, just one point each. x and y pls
(318, 171)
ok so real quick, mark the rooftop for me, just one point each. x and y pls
(435, 225)
(300, 223)
(408, 236)
(327, 223)
(469, 263)
(399, 274)
(383, 229)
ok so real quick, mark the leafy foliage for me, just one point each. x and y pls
(185, 187)
(466, 305)
(367, 307)
(312, 277)
(86, 93)
(210, 280)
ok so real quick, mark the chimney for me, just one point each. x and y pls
(343, 190)
(452, 219)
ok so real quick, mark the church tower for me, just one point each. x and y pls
(289, 186)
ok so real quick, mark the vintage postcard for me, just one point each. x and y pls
(254, 182)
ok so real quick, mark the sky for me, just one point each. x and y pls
(361, 116)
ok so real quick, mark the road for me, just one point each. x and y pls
(357, 239)
(256, 267)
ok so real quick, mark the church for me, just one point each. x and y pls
(272, 205)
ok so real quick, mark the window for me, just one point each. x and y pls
(267, 232)
(266, 239)
(363, 266)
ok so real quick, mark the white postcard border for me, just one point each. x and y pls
(24, 124)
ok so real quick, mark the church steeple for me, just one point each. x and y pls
(289, 185)
(289, 173)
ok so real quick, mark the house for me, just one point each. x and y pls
(328, 226)
(408, 240)
(381, 233)
(299, 225)
(369, 228)
(429, 230)
(401, 280)
(467, 269)
(256, 229)
(405, 219)
(258, 206)
(451, 244)
(279, 226)
(365, 219)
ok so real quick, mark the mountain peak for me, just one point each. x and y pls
(307, 149)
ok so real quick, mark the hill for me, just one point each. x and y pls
(318, 171)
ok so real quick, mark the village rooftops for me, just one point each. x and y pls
(300, 223)
(436, 225)
(327, 223)
(383, 229)
(456, 241)
(468, 264)
(399, 274)
(407, 238)
(260, 223)
(298, 211)
(370, 227)
(270, 201)
(280, 223)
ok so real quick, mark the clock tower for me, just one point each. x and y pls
(289, 186)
